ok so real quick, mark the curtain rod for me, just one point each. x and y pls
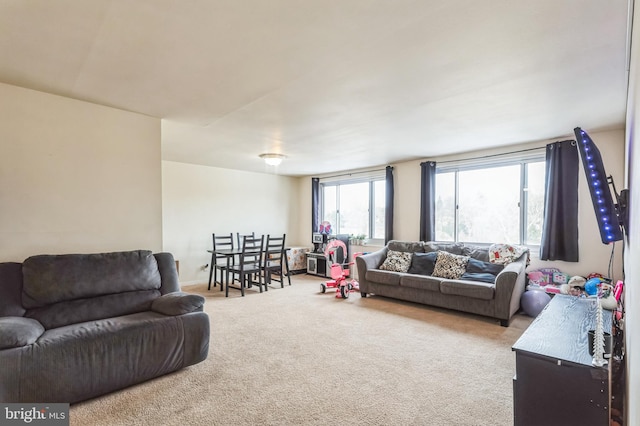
(488, 156)
(354, 173)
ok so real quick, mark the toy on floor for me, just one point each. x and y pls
(534, 301)
(338, 273)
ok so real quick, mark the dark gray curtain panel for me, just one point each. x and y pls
(427, 201)
(560, 223)
(315, 204)
(388, 205)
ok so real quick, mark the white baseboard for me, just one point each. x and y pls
(183, 283)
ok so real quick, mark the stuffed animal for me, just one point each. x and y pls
(610, 303)
(607, 296)
(577, 281)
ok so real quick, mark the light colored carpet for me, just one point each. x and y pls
(294, 356)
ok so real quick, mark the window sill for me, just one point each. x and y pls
(365, 247)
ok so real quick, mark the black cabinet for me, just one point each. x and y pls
(555, 381)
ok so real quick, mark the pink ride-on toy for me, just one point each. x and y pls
(338, 273)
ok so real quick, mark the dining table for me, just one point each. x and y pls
(230, 253)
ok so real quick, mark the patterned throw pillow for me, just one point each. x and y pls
(397, 261)
(451, 266)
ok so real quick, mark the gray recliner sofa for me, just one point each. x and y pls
(498, 299)
(76, 326)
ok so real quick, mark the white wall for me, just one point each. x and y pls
(199, 200)
(76, 177)
(632, 252)
(304, 211)
(594, 256)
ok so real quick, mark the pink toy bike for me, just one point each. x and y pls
(338, 273)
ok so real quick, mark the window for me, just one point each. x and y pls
(483, 203)
(355, 207)
(534, 213)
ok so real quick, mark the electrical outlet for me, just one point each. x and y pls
(204, 267)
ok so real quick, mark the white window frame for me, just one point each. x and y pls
(522, 158)
(371, 178)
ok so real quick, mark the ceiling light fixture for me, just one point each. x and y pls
(273, 159)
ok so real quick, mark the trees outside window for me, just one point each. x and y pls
(491, 204)
(355, 208)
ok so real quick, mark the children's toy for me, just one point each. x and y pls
(607, 297)
(544, 276)
(594, 275)
(550, 280)
(591, 286)
(548, 274)
(338, 273)
(325, 228)
(534, 301)
(618, 290)
(577, 281)
(536, 278)
(560, 278)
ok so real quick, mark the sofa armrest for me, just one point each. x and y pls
(168, 273)
(16, 332)
(178, 303)
(366, 262)
(510, 284)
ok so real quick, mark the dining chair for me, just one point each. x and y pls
(220, 242)
(249, 265)
(241, 236)
(274, 261)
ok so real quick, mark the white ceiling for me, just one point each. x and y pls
(332, 84)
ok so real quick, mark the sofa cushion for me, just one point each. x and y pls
(178, 303)
(454, 248)
(397, 261)
(93, 308)
(423, 282)
(475, 276)
(476, 252)
(449, 265)
(383, 277)
(51, 279)
(406, 246)
(16, 332)
(168, 272)
(472, 289)
(81, 361)
(481, 271)
(11, 289)
(423, 263)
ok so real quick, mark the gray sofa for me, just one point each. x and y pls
(73, 327)
(499, 299)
